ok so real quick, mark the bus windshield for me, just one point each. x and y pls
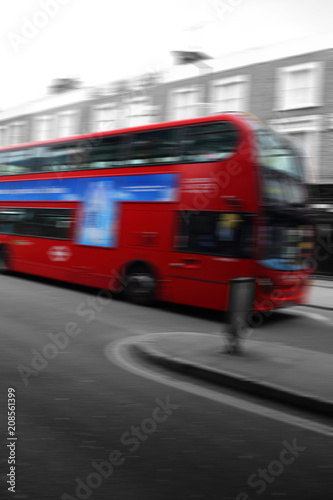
(287, 241)
(282, 171)
(275, 153)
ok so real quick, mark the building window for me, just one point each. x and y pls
(66, 124)
(138, 113)
(105, 118)
(299, 86)
(44, 128)
(305, 133)
(184, 104)
(3, 136)
(229, 94)
(17, 133)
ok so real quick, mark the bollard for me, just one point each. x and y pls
(241, 302)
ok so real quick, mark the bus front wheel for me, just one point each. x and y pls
(140, 285)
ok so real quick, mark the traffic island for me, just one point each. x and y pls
(291, 375)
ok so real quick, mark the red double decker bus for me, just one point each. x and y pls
(172, 211)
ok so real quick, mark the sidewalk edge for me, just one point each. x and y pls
(324, 308)
(234, 381)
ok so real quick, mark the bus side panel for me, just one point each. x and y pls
(203, 280)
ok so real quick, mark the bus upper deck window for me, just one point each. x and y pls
(159, 146)
(209, 142)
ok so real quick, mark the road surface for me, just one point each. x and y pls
(87, 427)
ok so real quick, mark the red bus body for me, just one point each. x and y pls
(146, 230)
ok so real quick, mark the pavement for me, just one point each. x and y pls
(292, 375)
(321, 294)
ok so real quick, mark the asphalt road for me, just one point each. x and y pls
(88, 428)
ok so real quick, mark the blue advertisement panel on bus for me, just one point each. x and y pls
(99, 198)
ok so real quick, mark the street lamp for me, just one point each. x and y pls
(196, 58)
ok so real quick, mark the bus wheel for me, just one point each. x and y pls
(4, 260)
(140, 285)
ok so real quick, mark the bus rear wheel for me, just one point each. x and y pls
(140, 285)
(4, 259)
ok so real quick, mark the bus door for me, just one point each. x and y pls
(211, 248)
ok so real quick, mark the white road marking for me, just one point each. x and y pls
(116, 353)
(311, 315)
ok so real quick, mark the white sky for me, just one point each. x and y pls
(103, 40)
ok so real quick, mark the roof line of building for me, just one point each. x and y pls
(240, 59)
(257, 55)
